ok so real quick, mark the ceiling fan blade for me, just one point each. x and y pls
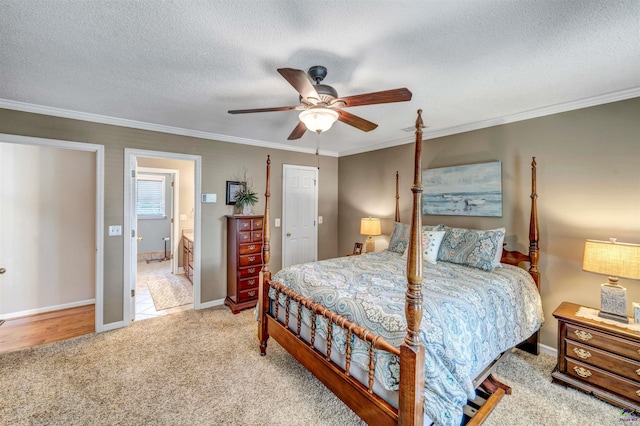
(298, 131)
(299, 80)
(355, 121)
(386, 96)
(245, 111)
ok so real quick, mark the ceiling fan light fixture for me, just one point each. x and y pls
(319, 119)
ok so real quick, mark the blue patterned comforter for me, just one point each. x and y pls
(469, 317)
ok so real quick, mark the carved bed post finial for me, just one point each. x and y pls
(397, 218)
(410, 409)
(413, 306)
(533, 227)
(265, 274)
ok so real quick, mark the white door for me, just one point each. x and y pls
(133, 202)
(300, 210)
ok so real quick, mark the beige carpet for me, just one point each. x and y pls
(204, 368)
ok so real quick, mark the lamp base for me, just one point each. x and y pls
(613, 302)
(613, 317)
(369, 245)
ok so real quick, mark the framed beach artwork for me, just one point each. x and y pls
(469, 190)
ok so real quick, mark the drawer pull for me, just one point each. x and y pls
(638, 351)
(583, 372)
(583, 335)
(252, 270)
(638, 373)
(252, 247)
(253, 293)
(252, 282)
(586, 355)
(252, 258)
(638, 392)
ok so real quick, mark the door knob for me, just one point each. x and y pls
(139, 238)
(288, 234)
(2, 271)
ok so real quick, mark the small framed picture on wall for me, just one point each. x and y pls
(232, 189)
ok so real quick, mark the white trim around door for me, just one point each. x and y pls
(130, 155)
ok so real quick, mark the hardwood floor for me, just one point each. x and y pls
(32, 330)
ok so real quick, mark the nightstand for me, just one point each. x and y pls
(598, 358)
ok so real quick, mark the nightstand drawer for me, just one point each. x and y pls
(604, 380)
(607, 361)
(602, 341)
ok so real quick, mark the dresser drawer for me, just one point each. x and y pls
(250, 248)
(248, 283)
(256, 224)
(251, 271)
(599, 340)
(250, 259)
(244, 237)
(247, 295)
(244, 224)
(256, 236)
(587, 373)
(607, 361)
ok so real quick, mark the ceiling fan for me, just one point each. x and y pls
(321, 106)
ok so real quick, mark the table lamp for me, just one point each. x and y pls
(370, 226)
(617, 260)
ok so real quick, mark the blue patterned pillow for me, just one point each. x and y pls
(471, 247)
(399, 238)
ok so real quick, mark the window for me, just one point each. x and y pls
(151, 190)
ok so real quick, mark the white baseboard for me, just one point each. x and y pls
(113, 326)
(548, 350)
(47, 309)
(211, 304)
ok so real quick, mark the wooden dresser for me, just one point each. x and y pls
(187, 255)
(598, 358)
(244, 261)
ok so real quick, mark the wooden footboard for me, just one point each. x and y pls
(360, 396)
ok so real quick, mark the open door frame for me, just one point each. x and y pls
(130, 156)
(99, 151)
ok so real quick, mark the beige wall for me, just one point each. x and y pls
(220, 162)
(47, 227)
(588, 186)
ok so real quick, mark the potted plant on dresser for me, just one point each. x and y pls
(246, 198)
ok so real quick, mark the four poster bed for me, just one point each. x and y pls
(403, 337)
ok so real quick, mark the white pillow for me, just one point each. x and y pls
(431, 241)
(496, 260)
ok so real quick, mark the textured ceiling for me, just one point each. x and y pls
(178, 66)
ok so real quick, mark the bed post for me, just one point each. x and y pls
(265, 274)
(397, 219)
(531, 344)
(411, 398)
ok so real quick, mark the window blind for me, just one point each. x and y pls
(150, 196)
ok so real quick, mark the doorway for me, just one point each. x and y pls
(154, 280)
(300, 212)
(57, 234)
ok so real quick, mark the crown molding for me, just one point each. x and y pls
(621, 95)
(122, 122)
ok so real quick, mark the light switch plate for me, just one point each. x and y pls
(209, 198)
(320, 220)
(115, 230)
(183, 217)
(277, 224)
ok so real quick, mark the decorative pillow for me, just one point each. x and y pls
(472, 247)
(431, 241)
(399, 237)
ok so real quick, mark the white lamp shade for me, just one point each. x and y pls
(318, 119)
(370, 226)
(620, 260)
